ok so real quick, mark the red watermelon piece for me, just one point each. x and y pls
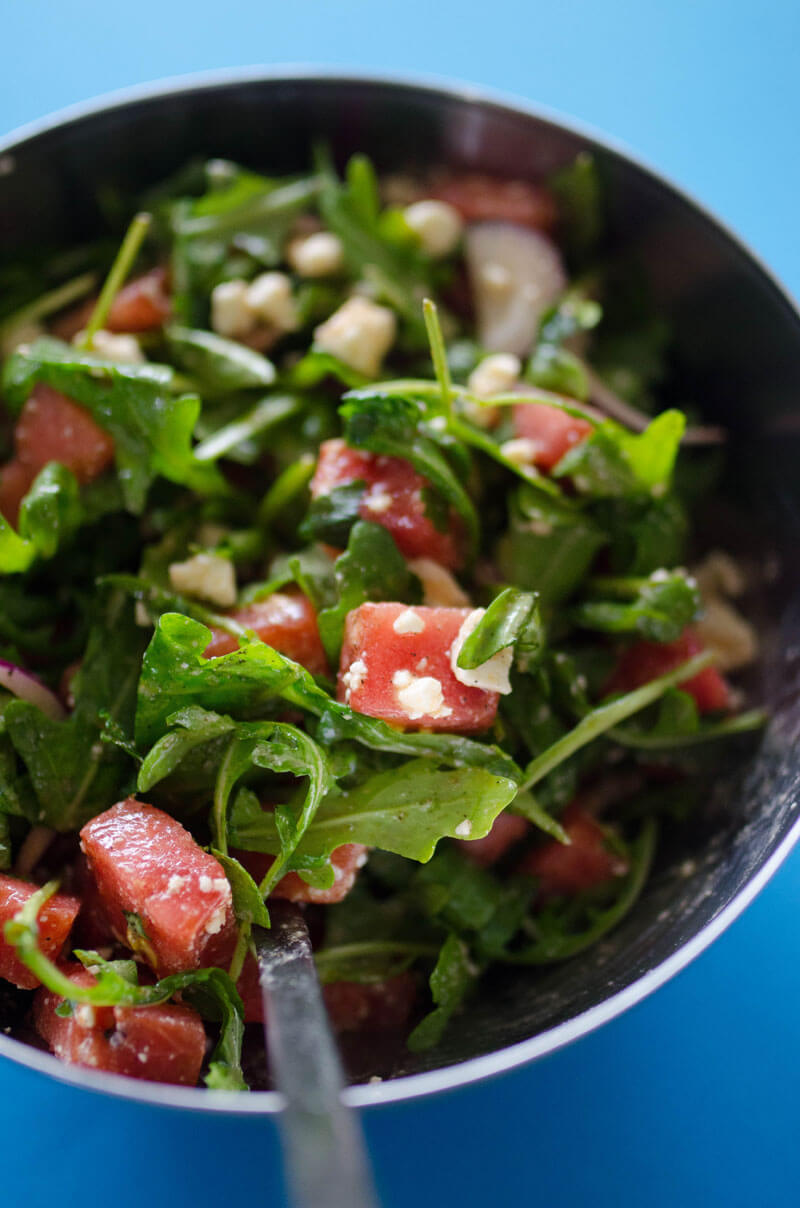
(381, 652)
(393, 498)
(55, 923)
(145, 862)
(286, 621)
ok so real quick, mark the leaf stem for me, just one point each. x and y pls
(605, 717)
(438, 354)
(129, 250)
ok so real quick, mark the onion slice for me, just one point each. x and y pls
(27, 687)
(516, 274)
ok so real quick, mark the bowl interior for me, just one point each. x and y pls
(736, 357)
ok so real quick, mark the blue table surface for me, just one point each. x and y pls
(691, 1097)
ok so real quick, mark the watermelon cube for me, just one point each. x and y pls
(394, 498)
(55, 923)
(164, 1043)
(396, 665)
(51, 427)
(644, 661)
(286, 621)
(346, 861)
(588, 861)
(551, 431)
(146, 863)
(371, 1006)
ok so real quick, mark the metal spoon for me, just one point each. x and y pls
(324, 1153)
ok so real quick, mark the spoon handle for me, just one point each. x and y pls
(325, 1157)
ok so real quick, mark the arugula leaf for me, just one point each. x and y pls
(579, 193)
(389, 424)
(451, 981)
(399, 272)
(558, 936)
(152, 429)
(678, 724)
(237, 439)
(217, 364)
(660, 608)
(644, 533)
(5, 843)
(331, 516)
(211, 991)
(608, 715)
(371, 568)
(512, 619)
(192, 727)
(49, 514)
(553, 366)
(550, 544)
(613, 462)
(74, 775)
(248, 903)
(404, 810)
(246, 682)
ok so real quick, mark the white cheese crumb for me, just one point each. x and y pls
(496, 374)
(270, 299)
(420, 696)
(318, 255)
(206, 576)
(491, 676)
(522, 452)
(217, 921)
(437, 225)
(208, 884)
(439, 588)
(85, 1016)
(360, 333)
(175, 884)
(378, 500)
(722, 629)
(464, 829)
(231, 315)
(408, 622)
(123, 349)
(354, 677)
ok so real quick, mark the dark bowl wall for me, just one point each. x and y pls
(737, 356)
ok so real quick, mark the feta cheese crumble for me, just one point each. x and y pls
(360, 333)
(354, 677)
(464, 829)
(491, 676)
(496, 374)
(420, 696)
(439, 587)
(437, 225)
(408, 622)
(206, 576)
(317, 255)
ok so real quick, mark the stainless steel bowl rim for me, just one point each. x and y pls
(502, 1060)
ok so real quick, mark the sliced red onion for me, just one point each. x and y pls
(28, 687)
(516, 274)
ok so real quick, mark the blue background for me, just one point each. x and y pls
(692, 1096)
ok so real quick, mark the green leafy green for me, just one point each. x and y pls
(389, 424)
(246, 682)
(553, 366)
(550, 544)
(331, 516)
(371, 568)
(405, 810)
(398, 272)
(217, 364)
(49, 514)
(512, 619)
(152, 428)
(74, 775)
(614, 462)
(658, 608)
(451, 980)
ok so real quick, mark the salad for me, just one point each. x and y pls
(343, 548)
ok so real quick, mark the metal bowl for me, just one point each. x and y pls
(737, 354)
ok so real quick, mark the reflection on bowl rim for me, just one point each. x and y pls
(450, 1077)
